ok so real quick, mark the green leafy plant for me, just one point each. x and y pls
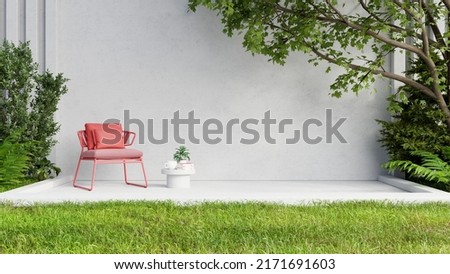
(14, 158)
(431, 168)
(28, 101)
(182, 153)
(43, 168)
(417, 119)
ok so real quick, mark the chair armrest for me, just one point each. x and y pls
(82, 138)
(126, 137)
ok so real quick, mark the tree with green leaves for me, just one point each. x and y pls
(356, 35)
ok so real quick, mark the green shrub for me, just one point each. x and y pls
(417, 125)
(28, 102)
(417, 130)
(13, 159)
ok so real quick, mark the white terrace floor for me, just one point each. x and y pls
(288, 192)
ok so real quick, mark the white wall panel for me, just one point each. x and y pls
(12, 20)
(2, 19)
(51, 51)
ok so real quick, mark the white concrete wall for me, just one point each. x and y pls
(34, 21)
(154, 58)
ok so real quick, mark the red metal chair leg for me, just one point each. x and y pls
(125, 172)
(92, 180)
(133, 184)
(94, 170)
(145, 174)
(76, 173)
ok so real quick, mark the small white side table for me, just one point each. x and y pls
(178, 178)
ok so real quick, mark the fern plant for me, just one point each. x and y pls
(432, 167)
(13, 160)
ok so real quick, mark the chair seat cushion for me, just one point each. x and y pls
(112, 154)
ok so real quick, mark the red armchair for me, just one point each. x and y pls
(105, 144)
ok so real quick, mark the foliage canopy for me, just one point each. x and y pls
(355, 35)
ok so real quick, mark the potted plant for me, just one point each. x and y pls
(181, 154)
(182, 157)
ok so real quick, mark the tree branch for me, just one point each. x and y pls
(446, 3)
(424, 55)
(393, 28)
(433, 24)
(379, 19)
(407, 11)
(408, 81)
(433, 93)
(425, 43)
(379, 37)
(338, 13)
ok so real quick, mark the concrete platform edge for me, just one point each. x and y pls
(409, 186)
(42, 185)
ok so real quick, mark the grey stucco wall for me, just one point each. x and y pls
(154, 58)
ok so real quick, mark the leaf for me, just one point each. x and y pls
(433, 168)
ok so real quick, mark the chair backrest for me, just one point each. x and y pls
(128, 137)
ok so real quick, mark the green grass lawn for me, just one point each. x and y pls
(164, 227)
